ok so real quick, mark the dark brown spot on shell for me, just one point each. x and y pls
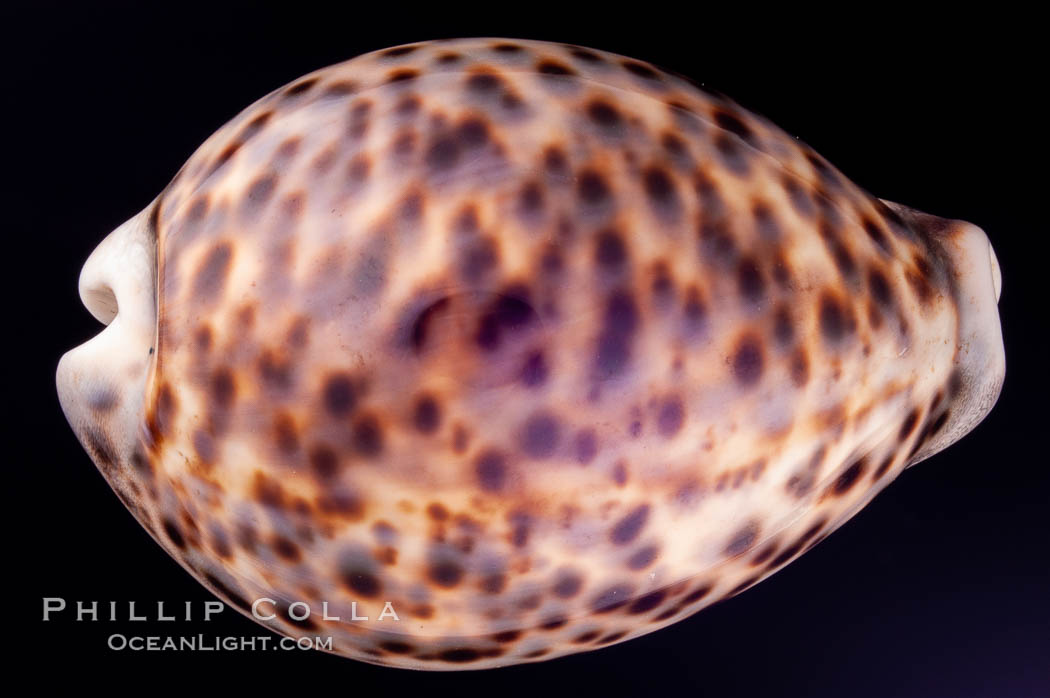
(442, 154)
(426, 416)
(286, 549)
(641, 70)
(734, 124)
(402, 75)
(472, 133)
(275, 372)
(799, 196)
(367, 436)
(592, 189)
(763, 555)
(671, 416)
(462, 655)
(610, 253)
(491, 469)
(540, 435)
(484, 83)
(521, 527)
(259, 193)
(661, 191)
(535, 370)
(397, 647)
(908, 426)
(643, 557)
(648, 602)
(848, 478)
(494, 583)
(886, 464)
(408, 106)
(676, 150)
(733, 154)
(171, 530)
(694, 313)
(554, 622)
(585, 446)
(621, 319)
(222, 388)
(555, 163)
(507, 636)
(662, 286)
(339, 395)
(530, 202)
(765, 222)
(606, 116)
(894, 222)
(300, 88)
(358, 574)
(224, 157)
(339, 89)
(697, 594)
(612, 598)
(203, 445)
(750, 282)
(227, 590)
(717, 246)
(164, 412)
(324, 461)
(919, 280)
(743, 540)
(210, 280)
(567, 584)
(836, 321)
(585, 55)
(357, 171)
(877, 235)
(612, 637)
(479, 257)
(747, 361)
(937, 424)
(584, 638)
(552, 68)
(880, 288)
(630, 526)
(444, 570)
(255, 125)
(791, 551)
(398, 51)
(419, 330)
(746, 584)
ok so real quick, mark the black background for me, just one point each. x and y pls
(939, 588)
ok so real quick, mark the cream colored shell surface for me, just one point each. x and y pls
(541, 345)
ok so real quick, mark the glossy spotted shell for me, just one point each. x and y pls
(542, 345)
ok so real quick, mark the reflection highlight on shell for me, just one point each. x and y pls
(542, 345)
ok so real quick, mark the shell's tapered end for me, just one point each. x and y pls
(101, 383)
(997, 274)
(980, 359)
